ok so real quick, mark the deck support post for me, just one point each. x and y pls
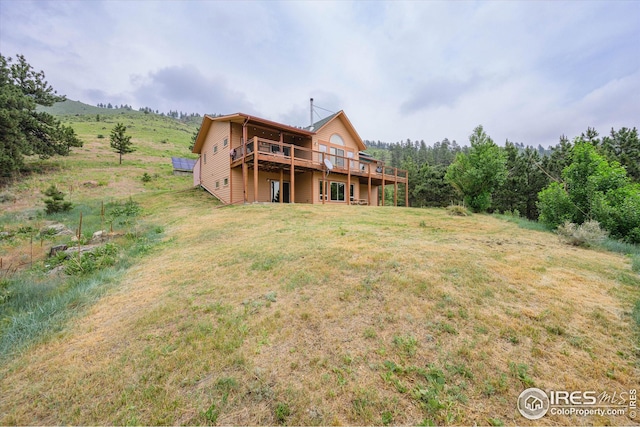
(255, 169)
(369, 186)
(382, 198)
(347, 191)
(395, 187)
(292, 184)
(281, 191)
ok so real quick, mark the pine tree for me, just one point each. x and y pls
(23, 130)
(121, 143)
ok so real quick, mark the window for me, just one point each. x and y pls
(226, 181)
(336, 139)
(321, 185)
(217, 184)
(205, 158)
(225, 142)
(338, 161)
(337, 191)
(351, 194)
(215, 149)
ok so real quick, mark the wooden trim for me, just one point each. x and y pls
(245, 171)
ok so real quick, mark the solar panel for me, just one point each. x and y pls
(183, 164)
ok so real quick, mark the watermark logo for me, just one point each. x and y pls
(533, 403)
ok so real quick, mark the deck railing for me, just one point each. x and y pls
(281, 152)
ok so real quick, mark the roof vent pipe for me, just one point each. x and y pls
(311, 114)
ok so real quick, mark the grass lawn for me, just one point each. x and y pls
(300, 314)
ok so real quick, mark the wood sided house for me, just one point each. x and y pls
(249, 159)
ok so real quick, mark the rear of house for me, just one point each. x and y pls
(249, 159)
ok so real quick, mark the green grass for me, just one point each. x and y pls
(39, 304)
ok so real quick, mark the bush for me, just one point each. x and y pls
(146, 177)
(100, 136)
(586, 234)
(555, 205)
(55, 203)
(458, 210)
(6, 196)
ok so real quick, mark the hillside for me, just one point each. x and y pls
(314, 315)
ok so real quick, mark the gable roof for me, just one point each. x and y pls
(340, 115)
(245, 118)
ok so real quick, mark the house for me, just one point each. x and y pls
(246, 159)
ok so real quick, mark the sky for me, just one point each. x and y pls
(527, 71)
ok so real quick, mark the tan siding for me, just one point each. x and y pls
(238, 186)
(216, 169)
(336, 126)
(304, 187)
(236, 138)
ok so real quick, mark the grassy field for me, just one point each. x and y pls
(319, 315)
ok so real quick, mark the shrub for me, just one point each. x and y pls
(55, 201)
(100, 136)
(586, 234)
(458, 210)
(146, 177)
(6, 196)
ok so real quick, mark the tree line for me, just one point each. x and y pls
(590, 177)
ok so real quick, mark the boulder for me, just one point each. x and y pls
(58, 248)
(56, 229)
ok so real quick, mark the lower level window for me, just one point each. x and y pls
(337, 191)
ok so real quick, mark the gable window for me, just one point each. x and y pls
(215, 149)
(336, 139)
(337, 191)
(225, 142)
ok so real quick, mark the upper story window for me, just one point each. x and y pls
(215, 149)
(225, 142)
(336, 139)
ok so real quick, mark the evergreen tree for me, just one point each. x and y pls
(121, 143)
(23, 130)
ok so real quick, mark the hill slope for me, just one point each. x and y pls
(335, 315)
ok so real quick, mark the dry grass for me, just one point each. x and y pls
(318, 315)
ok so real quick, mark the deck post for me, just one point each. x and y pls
(255, 168)
(280, 195)
(292, 184)
(369, 187)
(348, 189)
(382, 198)
(406, 191)
(395, 187)
(245, 172)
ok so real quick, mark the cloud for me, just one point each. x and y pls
(187, 89)
(438, 92)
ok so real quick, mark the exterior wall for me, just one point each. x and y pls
(238, 185)
(196, 173)
(336, 126)
(216, 167)
(364, 193)
(304, 187)
(318, 178)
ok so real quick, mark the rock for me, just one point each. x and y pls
(5, 235)
(80, 249)
(58, 248)
(56, 270)
(99, 236)
(56, 230)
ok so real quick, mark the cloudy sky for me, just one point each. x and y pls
(528, 71)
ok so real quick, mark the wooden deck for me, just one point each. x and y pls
(274, 155)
